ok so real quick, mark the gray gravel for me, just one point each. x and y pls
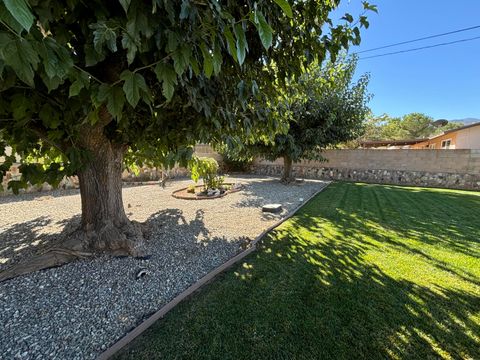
(78, 310)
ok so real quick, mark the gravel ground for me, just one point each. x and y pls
(76, 311)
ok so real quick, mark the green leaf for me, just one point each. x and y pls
(232, 49)
(129, 44)
(21, 107)
(207, 60)
(56, 60)
(347, 17)
(92, 57)
(368, 6)
(116, 101)
(285, 7)
(102, 94)
(20, 11)
(7, 17)
(49, 116)
(181, 59)
(217, 59)
(104, 35)
(125, 4)
(92, 117)
(133, 83)
(264, 30)
(172, 41)
(51, 83)
(166, 74)
(185, 9)
(364, 22)
(20, 55)
(241, 43)
(82, 81)
(194, 65)
(114, 97)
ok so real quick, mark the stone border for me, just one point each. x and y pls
(444, 180)
(130, 336)
(174, 194)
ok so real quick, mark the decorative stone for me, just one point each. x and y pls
(213, 192)
(141, 273)
(272, 208)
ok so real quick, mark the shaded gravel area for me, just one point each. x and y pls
(78, 310)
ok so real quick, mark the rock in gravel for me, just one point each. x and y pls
(78, 310)
(272, 208)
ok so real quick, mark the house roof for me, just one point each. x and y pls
(461, 128)
(376, 143)
(454, 130)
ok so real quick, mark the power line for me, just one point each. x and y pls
(420, 39)
(420, 48)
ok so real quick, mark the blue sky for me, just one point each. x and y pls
(443, 82)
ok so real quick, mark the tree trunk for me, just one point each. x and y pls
(105, 227)
(287, 177)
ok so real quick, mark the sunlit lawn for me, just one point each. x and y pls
(362, 271)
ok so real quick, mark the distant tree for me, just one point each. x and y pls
(323, 108)
(407, 127)
(449, 126)
(89, 86)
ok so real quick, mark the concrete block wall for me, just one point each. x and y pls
(146, 174)
(457, 169)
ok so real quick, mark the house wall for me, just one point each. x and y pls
(469, 138)
(438, 142)
(457, 169)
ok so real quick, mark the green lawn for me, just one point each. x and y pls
(362, 271)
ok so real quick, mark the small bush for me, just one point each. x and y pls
(191, 189)
(233, 161)
(206, 169)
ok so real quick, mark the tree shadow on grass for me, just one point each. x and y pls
(312, 292)
(300, 300)
(360, 310)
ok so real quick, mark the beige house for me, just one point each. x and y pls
(465, 137)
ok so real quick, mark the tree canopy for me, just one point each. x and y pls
(167, 73)
(324, 107)
(408, 127)
(89, 86)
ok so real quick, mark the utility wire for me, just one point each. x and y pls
(420, 39)
(420, 48)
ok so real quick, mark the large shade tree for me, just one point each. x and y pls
(89, 86)
(323, 107)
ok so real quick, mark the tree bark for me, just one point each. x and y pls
(287, 177)
(105, 227)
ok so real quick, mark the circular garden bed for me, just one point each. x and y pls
(198, 194)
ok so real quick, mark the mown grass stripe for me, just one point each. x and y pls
(342, 279)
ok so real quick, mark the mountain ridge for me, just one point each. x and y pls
(465, 121)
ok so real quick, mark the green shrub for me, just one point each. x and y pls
(191, 189)
(206, 169)
(234, 161)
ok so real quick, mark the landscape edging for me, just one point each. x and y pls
(144, 325)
